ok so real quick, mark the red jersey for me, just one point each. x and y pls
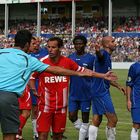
(53, 89)
(25, 100)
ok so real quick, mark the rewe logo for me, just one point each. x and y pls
(55, 79)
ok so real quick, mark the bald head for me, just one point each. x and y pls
(108, 43)
(106, 40)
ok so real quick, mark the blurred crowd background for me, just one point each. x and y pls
(93, 28)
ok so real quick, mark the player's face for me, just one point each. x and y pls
(79, 45)
(112, 44)
(53, 49)
(34, 47)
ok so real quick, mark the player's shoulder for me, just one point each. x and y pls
(72, 55)
(43, 50)
(66, 60)
(90, 55)
(136, 64)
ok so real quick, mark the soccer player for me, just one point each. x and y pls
(133, 97)
(53, 92)
(36, 51)
(101, 98)
(80, 88)
(16, 67)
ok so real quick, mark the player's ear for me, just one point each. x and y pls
(27, 46)
(61, 48)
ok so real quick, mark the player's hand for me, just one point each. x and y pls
(86, 72)
(129, 105)
(111, 76)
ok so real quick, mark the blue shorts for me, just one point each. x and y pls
(33, 98)
(135, 114)
(102, 105)
(84, 106)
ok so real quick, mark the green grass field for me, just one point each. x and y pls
(124, 120)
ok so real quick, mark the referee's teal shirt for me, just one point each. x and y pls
(15, 69)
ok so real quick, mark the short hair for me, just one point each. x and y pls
(34, 38)
(139, 48)
(80, 37)
(22, 37)
(58, 39)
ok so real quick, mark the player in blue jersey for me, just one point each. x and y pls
(101, 99)
(36, 51)
(133, 97)
(80, 94)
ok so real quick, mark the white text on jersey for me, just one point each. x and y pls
(55, 79)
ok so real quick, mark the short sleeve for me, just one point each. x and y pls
(37, 65)
(131, 76)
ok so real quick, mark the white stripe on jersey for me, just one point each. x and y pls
(81, 69)
(43, 58)
(28, 96)
(46, 107)
(39, 113)
(64, 100)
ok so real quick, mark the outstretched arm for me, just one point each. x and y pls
(89, 73)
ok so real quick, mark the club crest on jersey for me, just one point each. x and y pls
(129, 79)
(55, 79)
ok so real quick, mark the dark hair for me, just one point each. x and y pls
(22, 37)
(139, 48)
(58, 39)
(80, 37)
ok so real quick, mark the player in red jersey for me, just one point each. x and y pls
(25, 110)
(53, 92)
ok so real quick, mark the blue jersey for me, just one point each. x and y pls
(41, 53)
(133, 81)
(100, 86)
(80, 87)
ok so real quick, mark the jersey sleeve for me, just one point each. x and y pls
(74, 66)
(131, 76)
(37, 65)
